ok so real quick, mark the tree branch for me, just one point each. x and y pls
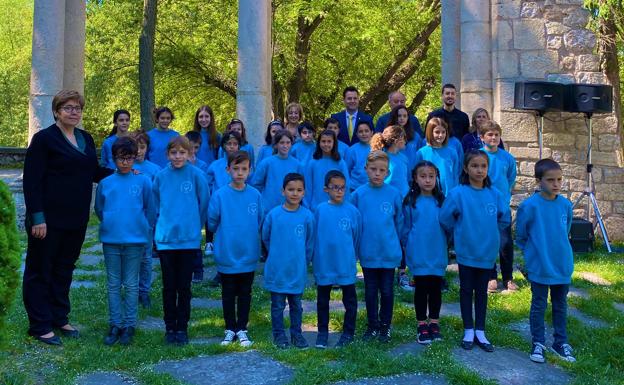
(422, 93)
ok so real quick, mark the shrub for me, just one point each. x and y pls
(9, 255)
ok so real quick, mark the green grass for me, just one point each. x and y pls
(599, 351)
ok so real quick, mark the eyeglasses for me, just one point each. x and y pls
(335, 188)
(125, 159)
(70, 109)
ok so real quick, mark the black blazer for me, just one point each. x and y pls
(341, 117)
(58, 179)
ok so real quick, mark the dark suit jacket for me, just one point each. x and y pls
(341, 117)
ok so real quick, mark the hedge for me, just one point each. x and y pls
(9, 256)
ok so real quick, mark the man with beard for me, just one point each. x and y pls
(457, 120)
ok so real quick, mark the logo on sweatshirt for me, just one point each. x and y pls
(564, 219)
(299, 230)
(386, 207)
(344, 224)
(186, 186)
(252, 208)
(490, 209)
(135, 190)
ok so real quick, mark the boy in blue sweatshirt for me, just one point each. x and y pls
(123, 202)
(357, 154)
(235, 214)
(502, 173)
(380, 206)
(303, 149)
(288, 235)
(181, 195)
(338, 228)
(217, 171)
(542, 227)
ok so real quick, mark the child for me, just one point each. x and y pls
(236, 125)
(288, 234)
(160, 136)
(425, 246)
(303, 149)
(357, 153)
(121, 123)
(502, 173)
(236, 209)
(399, 116)
(338, 228)
(543, 224)
(324, 159)
(474, 204)
(181, 196)
(270, 173)
(439, 153)
(379, 249)
(332, 124)
(217, 174)
(204, 123)
(150, 170)
(267, 149)
(123, 202)
(392, 141)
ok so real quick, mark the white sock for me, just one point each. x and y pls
(469, 335)
(481, 337)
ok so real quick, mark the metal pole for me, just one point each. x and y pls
(540, 134)
(590, 188)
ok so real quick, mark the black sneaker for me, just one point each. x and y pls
(564, 352)
(112, 336)
(321, 340)
(434, 331)
(215, 281)
(145, 301)
(126, 335)
(537, 353)
(181, 337)
(198, 276)
(281, 341)
(424, 338)
(299, 341)
(345, 339)
(170, 337)
(384, 334)
(370, 334)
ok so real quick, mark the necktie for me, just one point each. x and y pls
(350, 126)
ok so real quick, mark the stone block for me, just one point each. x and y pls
(606, 125)
(517, 199)
(561, 78)
(577, 18)
(519, 127)
(579, 40)
(609, 142)
(613, 175)
(570, 2)
(553, 13)
(525, 183)
(559, 139)
(526, 168)
(573, 171)
(576, 126)
(572, 184)
(529, 34)
(506, 65)
(502, 35)
(475, 37)
(473, 100)
(531, 9)
(475, 85)
(504, 95)
(591, 77)
(607, 158)
(472, 11)
(615, 227)
(510, 10)
(568, 63)
(590, 63)
(476, 66)
(556, 28)
(610, 192)
(536, 64)
(554, 42)
(529, 153)
(618, 207)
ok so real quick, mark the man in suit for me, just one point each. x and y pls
(349, 118)
(457, 120)
(395, 99)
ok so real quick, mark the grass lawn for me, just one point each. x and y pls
(599, 351)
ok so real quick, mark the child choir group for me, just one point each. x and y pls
(392, 199)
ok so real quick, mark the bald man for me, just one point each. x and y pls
(396, 98)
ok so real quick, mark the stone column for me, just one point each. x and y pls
(253, 93)
(46, 77)
(451, 59)
(75, 17)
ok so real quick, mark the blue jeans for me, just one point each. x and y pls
(539, 302)
(122, 269)
(145, 275)
(278, 303)
(378, 289)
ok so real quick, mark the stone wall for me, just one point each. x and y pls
(11, 156)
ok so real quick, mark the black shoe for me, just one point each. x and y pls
(321, 340)
(345, 339)
(281, 341)
(486, 346)
(467, 345)
(215, 281)
(112, 336)
(54, 340)
(384, 334)
(73, 333)
(370, 334)
(424, 337)
(126, 336)
(145, 301)
(170, 337)
(198, 276)
(299, 341)
(181, 337)
(434, 331)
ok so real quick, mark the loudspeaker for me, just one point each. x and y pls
(588, 98)
(540, 96)
(581, 235)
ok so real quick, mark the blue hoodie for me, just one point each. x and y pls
(181, 197)
(398, 176)
(338, 229)
(424, 238)
(159, 139)
(382, 225)
(235, 217)
(124, 204)
(147, 168)
(356, 164)
(445, 159)
(502, 171)
(315, 172)
(475, 216)
(542, 228)
(206, 153)
(269, 178)
(289, 238)
(106, 157)
(217, 174)
(302, 151)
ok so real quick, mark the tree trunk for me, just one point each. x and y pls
(146, 63)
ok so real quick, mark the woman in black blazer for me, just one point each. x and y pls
(59, 171)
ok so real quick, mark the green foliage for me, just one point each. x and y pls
(9, 255)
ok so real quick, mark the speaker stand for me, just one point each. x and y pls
(540, 132)
(590, 188)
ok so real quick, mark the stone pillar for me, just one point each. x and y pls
(451, 58)
(46, 77)
(253, 92)
(75, 17)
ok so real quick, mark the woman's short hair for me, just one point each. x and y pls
(63, 96)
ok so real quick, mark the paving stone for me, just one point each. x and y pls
(82, 284)
(576, 292)
(104, 378)
(619, 307)
(594, 278)
(586, 319)
(97, 248)
(95, 273)
(410, 348)
(334, 305)
(524, 329)
(451, 309)
(205, 341)
(401, 379)
(90, 259)
(205, 303)
(510, 367)
(151, 323)
(310, 333)
(208, 370)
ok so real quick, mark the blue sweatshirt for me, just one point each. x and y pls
(315, 172)
(502, 172)
(542, 228)
(264, 152)
(245, 147)
(302, 151)
(424, 238)
(338, 228)
(235, 217)
(382, 225)
(475, 216)
(200, 164)
(159, 139)
(124, 204)
(398, 176)
(269, 178)
(410, 151)
(445, 159)
(289, 238)
(342, 149)
(147, 168)
(453, 143)
(106, 157)
(217, 175)
(207, 153)
(181, 196)
(356, 163)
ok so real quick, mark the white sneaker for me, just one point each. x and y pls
(243, 338)
(209, 250)
(229, 337)
(537, 353)
(404, 282)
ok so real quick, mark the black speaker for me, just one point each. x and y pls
(593, 98)
(581, 235)
(540, 96)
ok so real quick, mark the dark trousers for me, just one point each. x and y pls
(349, 300)
(539, 302)
(378, 289)
(236, 299)
(177, 271)
(50, 263)
(427, 293)
(473, 283)
(198, 262)
(506, 254)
